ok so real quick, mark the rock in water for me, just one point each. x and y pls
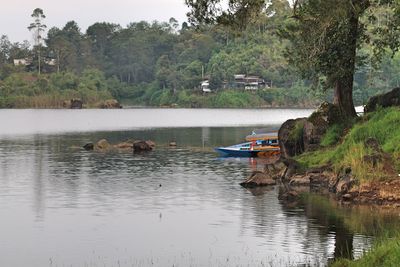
(89, 146)
(142, 146)
(102, 145)
(258, 178)
(172, 144)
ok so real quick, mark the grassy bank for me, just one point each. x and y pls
(344, 147)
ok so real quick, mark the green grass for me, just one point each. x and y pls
(333, 135)
(384, 125)
(386, 253)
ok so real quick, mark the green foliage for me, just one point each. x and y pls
(24, 90)
(143, 58)
(333, 135)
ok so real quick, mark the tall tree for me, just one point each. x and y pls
(38, 29)
(325, 35)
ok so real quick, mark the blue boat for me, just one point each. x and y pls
(239, 150)
(260, 145)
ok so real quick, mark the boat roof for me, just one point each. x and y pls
(262, 136)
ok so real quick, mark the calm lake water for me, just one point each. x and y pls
(63, 206)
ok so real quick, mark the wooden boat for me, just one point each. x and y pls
(265, 145)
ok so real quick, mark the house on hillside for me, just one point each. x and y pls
(242, 81)
(50, 61)
(22, 62)
(205, 86)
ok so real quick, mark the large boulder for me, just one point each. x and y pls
(305, 134)
(258, 178)
(291, 137)
(389, 99)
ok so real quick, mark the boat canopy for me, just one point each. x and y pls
(262, 136)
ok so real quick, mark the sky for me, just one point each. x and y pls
(15, 15)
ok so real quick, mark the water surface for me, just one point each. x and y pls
(63, 206)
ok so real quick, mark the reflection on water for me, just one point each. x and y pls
(63, 206)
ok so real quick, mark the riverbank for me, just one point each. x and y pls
(50, 90)
(295, 97)
(356, 161)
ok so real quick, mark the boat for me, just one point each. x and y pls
(257, 145)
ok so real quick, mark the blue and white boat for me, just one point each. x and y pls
(258, 145)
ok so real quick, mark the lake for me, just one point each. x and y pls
(183, 206)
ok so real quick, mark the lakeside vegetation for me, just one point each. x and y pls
(163, 63)
(344, 146)
(21, 89)
(385, 253)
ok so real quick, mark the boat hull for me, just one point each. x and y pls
(237, 153)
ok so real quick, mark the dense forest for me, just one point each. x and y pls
(163, 64)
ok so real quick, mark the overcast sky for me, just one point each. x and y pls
(15, 15)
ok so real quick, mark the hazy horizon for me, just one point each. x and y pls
(16, 15)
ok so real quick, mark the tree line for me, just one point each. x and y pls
(161, 63)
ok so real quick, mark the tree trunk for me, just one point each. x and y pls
(39, 58)
(343, 93)
(58, 61)
(343, 97)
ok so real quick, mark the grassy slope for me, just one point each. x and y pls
(384, 125)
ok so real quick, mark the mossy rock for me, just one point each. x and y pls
(327, 114)
(291, 137)
(388, 99)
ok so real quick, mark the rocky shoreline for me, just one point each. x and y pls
(304, 135)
